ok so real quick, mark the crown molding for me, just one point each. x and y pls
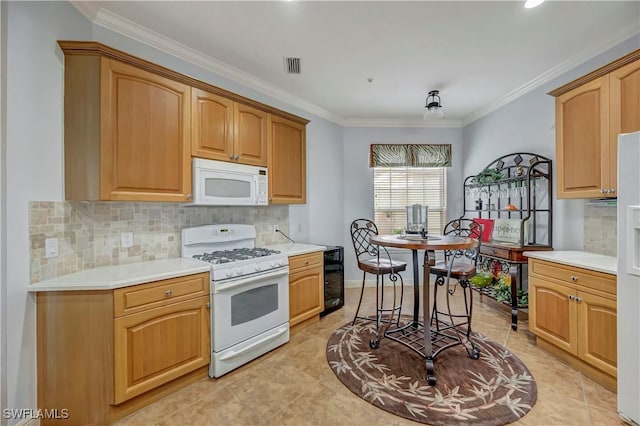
(130, 29)
(357, 122)
(87, 8)
(557, 71)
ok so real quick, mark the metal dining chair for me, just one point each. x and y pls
(460, 266)
(376, 260)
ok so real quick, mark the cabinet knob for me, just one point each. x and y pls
(231, 156)
(306, 262)
(189, 197)
(237, 157)
(574, 278)
(612, 190)
(208, 305)
(578, 299)
(601, 191)
(167, 293)
(572, 297)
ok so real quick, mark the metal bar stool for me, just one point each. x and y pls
(372, 261)
(459, 265)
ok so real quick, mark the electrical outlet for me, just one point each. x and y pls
(50, 248)
(276, 228)
(126, 239)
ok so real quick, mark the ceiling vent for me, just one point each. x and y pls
(291, 65)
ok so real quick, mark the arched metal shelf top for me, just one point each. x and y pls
(518, 166)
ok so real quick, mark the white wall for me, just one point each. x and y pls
(358, 178)
(528, 125)
(33, 162)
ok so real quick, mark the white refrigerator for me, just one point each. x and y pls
(629, 277)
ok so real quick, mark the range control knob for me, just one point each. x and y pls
(228, 273)
(274, 264)
(258, 268)
(238, 271)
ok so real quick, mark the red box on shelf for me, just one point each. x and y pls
(487, 228)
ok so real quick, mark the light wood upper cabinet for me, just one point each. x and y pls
(582, 135)
(225, 130)
(624, 84)
(287, 161)
(590, 114)
(211, 126)
(250, 141)
(131, 128)
(127, 133)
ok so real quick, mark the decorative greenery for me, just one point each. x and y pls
(488, 176)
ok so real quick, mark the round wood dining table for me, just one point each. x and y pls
(430, 244)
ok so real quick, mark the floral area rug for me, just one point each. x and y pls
(495, 389)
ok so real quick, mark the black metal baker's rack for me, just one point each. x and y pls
(524, 181)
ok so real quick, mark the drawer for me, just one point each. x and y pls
(502, 253)
(580, 277)
(305, 260)
(141, 297)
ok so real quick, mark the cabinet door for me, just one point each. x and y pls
(597, 321)
(158, 345)
(552, 315)
(287, 161)
(306, 294)
(145, 150)
(624, 85)
(250, 135)
(582, 134)
(211, 126)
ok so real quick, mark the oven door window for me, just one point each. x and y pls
(220, 187)
(253, 304)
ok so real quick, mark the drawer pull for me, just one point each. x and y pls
(574, 278)
(167, 293)
(306, 262)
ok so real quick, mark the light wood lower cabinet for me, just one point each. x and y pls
(306, 287)
(574, 309)
(105, 354)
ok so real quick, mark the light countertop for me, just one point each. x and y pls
(117, 276)
(580, 259)
(294, 249)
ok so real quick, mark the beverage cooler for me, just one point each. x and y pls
(333, 279)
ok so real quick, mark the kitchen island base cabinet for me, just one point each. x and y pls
(306, 287)
(101, 366)
(573, 312)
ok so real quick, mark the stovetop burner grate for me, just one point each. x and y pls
(228, 256)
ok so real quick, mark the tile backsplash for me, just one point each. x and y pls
(88, 233)
(600, 230)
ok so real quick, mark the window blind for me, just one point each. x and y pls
(395, 188)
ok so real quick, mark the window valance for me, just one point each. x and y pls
(409, 155)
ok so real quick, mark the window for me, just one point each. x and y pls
(395, 188)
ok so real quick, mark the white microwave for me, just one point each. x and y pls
(221, 183)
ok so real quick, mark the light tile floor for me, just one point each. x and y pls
(293, 385)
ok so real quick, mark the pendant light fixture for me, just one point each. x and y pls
(433, 106)
(530, 4)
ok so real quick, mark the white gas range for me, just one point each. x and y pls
(249, 293)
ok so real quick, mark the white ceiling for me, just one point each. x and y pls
(479, 54)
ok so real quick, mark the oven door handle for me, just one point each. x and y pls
(261, 342)
(233, 284)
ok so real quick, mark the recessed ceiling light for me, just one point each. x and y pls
(532, 3)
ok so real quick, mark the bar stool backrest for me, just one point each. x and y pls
(466, 228)
(361, 231)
